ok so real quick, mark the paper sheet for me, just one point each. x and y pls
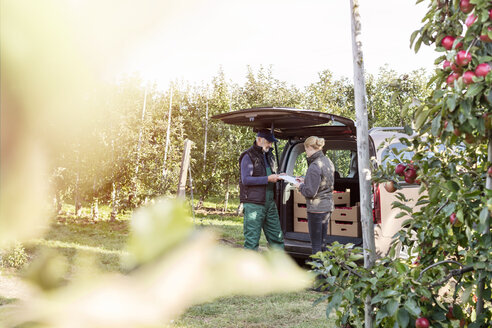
(288, 178)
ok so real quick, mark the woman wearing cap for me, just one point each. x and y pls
(317, 187)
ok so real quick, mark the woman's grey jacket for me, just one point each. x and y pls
(318, 183)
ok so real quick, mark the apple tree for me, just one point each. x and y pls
(446, 279)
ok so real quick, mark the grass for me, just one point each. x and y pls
(228, 227)
(105, 241)
(277, 310)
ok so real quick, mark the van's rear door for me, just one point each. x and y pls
(290, 122)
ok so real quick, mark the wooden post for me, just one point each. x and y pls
(185, 163)
(363, 152)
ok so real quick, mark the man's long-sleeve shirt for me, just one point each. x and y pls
(247, 172)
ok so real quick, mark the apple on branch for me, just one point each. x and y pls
(468, 77)
(451, 78)
(422, 323)
(482, 69)
(466, 6)
(400, 169)
(389, 186)
(463, 58)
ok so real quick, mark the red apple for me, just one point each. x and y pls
(455, 68)
(390, 186)
(400, 168)
(451, 78)
(463, 58)
(446, 65)
(457, 132)
(422, 323)
(409, 180)
(485, 38)
(490, 14)
(470, 20)
(446, 124)
(453, 219)
(468, 77)
(447, 42)
(466, 6)
(482, 69)
(411, 174)
(489, 171)
(469, 138)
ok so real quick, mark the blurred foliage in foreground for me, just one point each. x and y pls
(52, 118)
(170, 267)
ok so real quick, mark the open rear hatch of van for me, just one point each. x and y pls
(290, 122)
(295, 125)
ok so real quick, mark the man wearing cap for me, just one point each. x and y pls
(256, 192)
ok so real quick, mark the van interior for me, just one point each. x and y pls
(343, 154)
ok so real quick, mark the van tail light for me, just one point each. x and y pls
(376, 209)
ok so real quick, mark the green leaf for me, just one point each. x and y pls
(400, 267)
(349, 294)
(392, 307)
(418, 44)
(484, 215)
(412, 307)
(448, 209)
(413, 36)
(436, 125)
(474, 90)
(400, 215)
(403, 318)
(453, 186)
(321, 299)
(451, 103)
(334, 303)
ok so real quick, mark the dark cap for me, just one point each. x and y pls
(267, 135)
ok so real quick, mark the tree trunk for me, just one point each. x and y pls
(185, 162)
(77, 203)
(58, 201)
(362, 153)
(133, 192)
(95, 210)
(226, 202)
(168, 132)
(114, 202)
(481, 278)
(206, 134)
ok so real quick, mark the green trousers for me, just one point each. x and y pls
(258, 217)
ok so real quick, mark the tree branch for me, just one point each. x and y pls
(350, 270)
(452, 273)
(439, 263)
(440, 208)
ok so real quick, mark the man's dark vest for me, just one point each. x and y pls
(256, 193)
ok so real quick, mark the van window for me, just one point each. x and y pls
(301, 166)
(340, 158)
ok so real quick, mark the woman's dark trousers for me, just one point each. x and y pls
(318, 226)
